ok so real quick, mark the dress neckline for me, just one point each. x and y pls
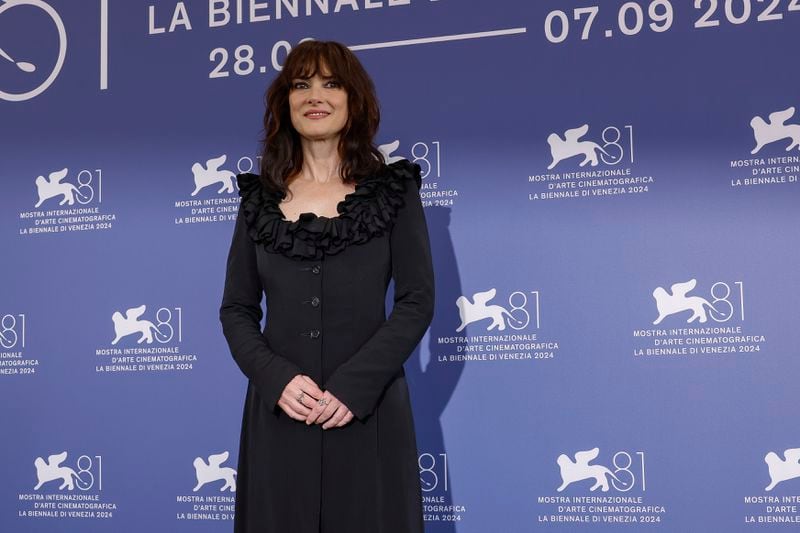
(369, 211)
(309, 215)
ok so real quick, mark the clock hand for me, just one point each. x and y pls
(22, 65)
(5, 55)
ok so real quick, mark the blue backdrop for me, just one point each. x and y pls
(611, 192)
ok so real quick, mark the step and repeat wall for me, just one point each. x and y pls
(611, 191)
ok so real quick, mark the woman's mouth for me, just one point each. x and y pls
(315, 115)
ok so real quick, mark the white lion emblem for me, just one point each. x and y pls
(129, 323)
(571, 145)
(51, 470)
(472, 312)
(775, 130)
(52, 186)
(669, 304)
(780, 469)
(580, 469)
(206, 473)
(386, 151)
(203, 177)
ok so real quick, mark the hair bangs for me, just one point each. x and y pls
(323, 60)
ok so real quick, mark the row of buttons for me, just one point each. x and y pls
(314, 301)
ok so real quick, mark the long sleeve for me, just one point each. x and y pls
(360, 381)
(240, 314)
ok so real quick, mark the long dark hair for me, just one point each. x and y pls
(281, 152)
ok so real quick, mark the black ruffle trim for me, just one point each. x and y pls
(367, 212)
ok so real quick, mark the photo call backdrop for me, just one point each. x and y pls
(611, 190)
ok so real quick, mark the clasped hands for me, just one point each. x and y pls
(301, 401)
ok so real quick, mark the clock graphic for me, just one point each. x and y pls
(18, 59)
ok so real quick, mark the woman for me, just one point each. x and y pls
(327, 441)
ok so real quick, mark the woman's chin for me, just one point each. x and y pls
(318, 136)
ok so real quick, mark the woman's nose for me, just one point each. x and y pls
(314, 93)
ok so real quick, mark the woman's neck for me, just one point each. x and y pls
(321, 161)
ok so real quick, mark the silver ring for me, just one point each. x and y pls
(300, 397)
(323, 401)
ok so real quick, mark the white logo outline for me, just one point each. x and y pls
(677, 301)
(52, 186)
(580, 469)
(205, 176)
(781, 470)
(129, 324)
(478, 309)
(775, 129)
(387, 149)
(213, 471)
(52, 470)
(571, 146)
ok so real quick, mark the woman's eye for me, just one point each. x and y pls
(333, 83)
(300, 85)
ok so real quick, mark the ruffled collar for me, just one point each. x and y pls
(367, 212)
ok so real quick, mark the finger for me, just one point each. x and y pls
(346, 420)
(298, 399)
(312, 391)
(336, 417)
(311, 387)
(289, 411)
(299, 405)
(314, 414)
(329, 410)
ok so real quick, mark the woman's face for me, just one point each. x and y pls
(318, 106)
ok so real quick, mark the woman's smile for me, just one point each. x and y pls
(316, 115)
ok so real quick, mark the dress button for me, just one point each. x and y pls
(314, 333)
(315, 301)
(315, 269)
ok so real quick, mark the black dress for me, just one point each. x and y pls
(325, 281)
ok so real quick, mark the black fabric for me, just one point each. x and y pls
(329, 276)
(367, 212)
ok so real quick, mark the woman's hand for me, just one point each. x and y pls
(329, 412)
(298, 395)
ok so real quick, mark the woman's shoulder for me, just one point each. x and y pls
(403, 169)
(390, 181)
(248, 183)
